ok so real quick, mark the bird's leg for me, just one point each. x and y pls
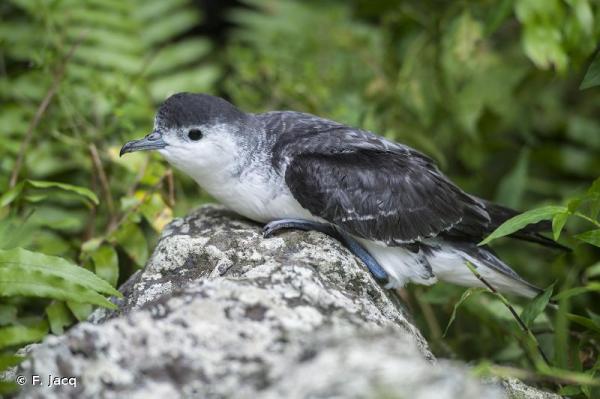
(354, 246)
(360, 252)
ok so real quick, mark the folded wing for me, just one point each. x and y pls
(374, 188)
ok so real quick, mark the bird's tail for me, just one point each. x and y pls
(449, 264)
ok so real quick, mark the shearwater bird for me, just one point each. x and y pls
(386, 202)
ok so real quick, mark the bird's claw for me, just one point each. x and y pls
(297, 224)
(268, 230)
(275, 226)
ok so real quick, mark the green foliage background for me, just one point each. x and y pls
(503, 94)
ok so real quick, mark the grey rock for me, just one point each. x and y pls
(221, 312)
(516, 389)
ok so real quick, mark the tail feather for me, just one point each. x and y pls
(537, 238)
(448, 263)
(486, 257)
(517, 284)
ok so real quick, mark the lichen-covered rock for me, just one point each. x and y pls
(221, 312)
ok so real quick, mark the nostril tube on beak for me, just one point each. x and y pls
(152, 141)
(153, 136)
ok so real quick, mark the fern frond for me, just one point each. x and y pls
(26, 273)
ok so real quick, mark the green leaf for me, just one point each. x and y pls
(536, 306)
(500, 13)
(585, 322)
(591, 237)
(106, 263)
(11, 195)
(466, 295)
(593, 195)
(156, 212)
(59, 317)
(596, 318)
(178, 55)
(188, 79)
(573, 377)
(34, 274)
(8, 314)
(22, 334)
(81, 311)
(558, 223)
(590, 287)
(7, 361)
(584, 14)
(593, 270)
(149, 10)
(132, 240)
(16, 231)
(569, 390)
(542, 40)
(542, 44)
(592, 76)
(7, 387)
(92, 244)
(574, 204)
(520, 221)
(168, 26)
(82, 191)
(36, 198)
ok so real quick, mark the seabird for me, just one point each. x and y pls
(388, 203)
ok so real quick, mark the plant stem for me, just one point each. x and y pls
(557, 377)
(103, 182)
(171, 187)
(133, 209)
(429, 315)
(512, 311)
(57, 78)
(589, 219)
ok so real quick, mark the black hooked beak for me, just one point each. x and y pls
(153, 141)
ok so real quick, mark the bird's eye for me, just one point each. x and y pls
(195, 134)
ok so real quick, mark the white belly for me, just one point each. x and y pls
(401, 265)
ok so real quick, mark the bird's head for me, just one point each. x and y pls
(196, 133)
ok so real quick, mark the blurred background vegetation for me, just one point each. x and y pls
(501, 93)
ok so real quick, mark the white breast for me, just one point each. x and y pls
(258, 199)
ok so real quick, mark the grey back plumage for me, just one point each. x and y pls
(369, 186)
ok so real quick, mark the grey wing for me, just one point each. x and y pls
(373, 188)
